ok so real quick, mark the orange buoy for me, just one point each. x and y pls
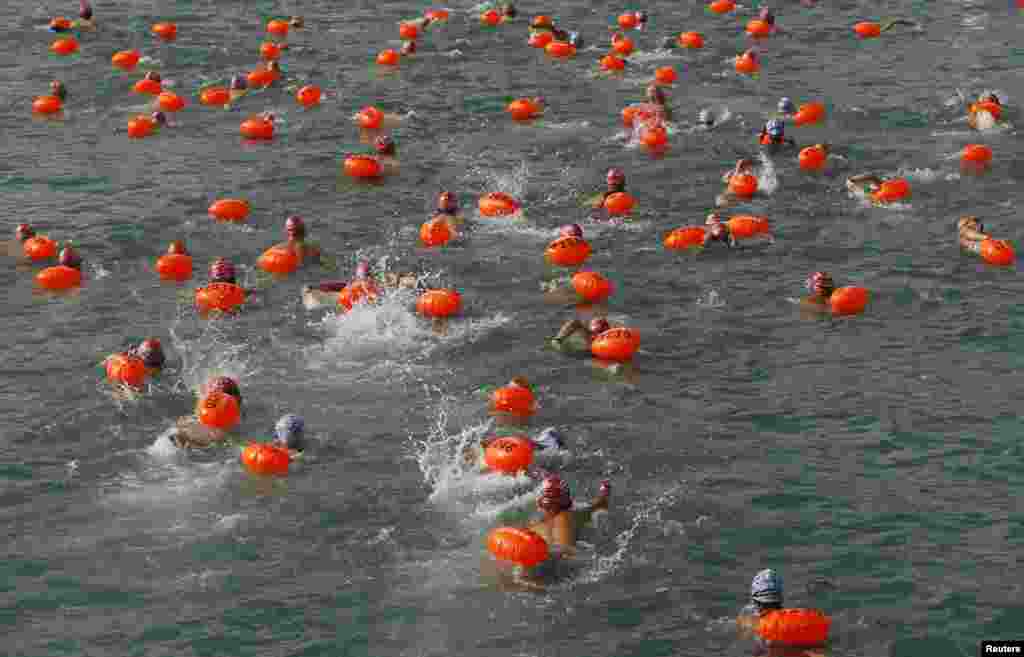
(619, 203)
(591, 286)
(560, 49)
(622, 45)
(809, 113)
(60, 24)
(794, 627)
(279, 261)
(522, 547)
(722, 6)
(64, 47)
(743, 185)
(892, 190)
(263, 459)
(257, 128)
(654, 136)
(812, 158)
(744, 226)
(617, 344)
(691, 40)
(497, 204)
(849, 300)
(47, 105)
(867, 30)
(628, 21)
(436, 14)
(166, 31)
(408, 31)
(262, 78)
(439, 303)
(126, 369)
(60, 277)
(758, 28)
(514, 399)
(148, 87)
(435, 232)
(523, 109)
(174, 267)
(997, 252)
(540, 39)
(640, 112)
(994, 109)
(665, 75)
(362, 166)
(388, 57)
(126, 60)
(568, 252)
(356, 292)
(509, 454)
(684, 238)
(308, 96)
(39, 248)
(270, 51)
(141, 126)
(747, 64)
(215, 96)
(370, 118)
(218, 410)
(490, 17)
(278, 27)
(229, 209)
(170, 101)
(225, 297)
(612, 63)
(976, 154)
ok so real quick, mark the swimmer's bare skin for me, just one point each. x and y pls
(326, 293)
(971, 234)
(573, 328)
(191, 434)
(308, 252)
(560, 528)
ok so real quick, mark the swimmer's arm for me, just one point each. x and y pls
(972, 235)
(596, 201)
(569, 328)
(888, 25)
(563, 533)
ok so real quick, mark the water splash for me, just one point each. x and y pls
(710, 300)
(767, 180)
(211, 354)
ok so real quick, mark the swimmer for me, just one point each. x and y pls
(448, 209)
(326, 293)
(765, 597)
(820, 286)
(239, 87)
(983, 119)
(615, 182)
(773, 134)
(289, 434)
(69, 258)
(971, 233)
(386, 154)
(408, 48)
(575, 40)
(508, 12)
(656, 96)
(560, 290)
(295, 231)
(743, 167)
(152, 354)
(160, 119)
(16, 248)
(864, 186)
(575, 336)
(85, 22)
(223, 271)
(190, 433)
(786, 109)
(561, 522)
(718, 232)
(548, 441)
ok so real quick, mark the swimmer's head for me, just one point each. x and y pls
(159, 118)
(224, 384)
(575, 40)
(820, 283)
(239, 83)
(713, 218)
(222, 271)
(641, 17)
(668, 43)
(970, 222)
(786, 106)
(363, 269)
(554, 496)
(571, 230)
(718, 231)
(289, 432)
(550, 438)
(151, 352)
(58, 89)
(154, 76)
(384, 145)
(706, 118)
(541, 22)
(510, 10)
(409, 47)
(766, 15)
(297, 21)
(295, 228)
(274, 65)
(775, 129)
(615, 177)
(598, 325)
(655, 94)
(520, 381)
(24, 232)
(177, 247)
(766, 589)
(69, 257)
(84, 10)
(447, 203)
(268, 116)
(744, 165)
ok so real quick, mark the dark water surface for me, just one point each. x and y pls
(874, 461)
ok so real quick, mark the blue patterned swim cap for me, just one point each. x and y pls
(786, 106)
(290, 430)
(550, 438)
(775, 128)
(766, 588)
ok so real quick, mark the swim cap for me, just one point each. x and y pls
(718, 230)
(766, 15)
(655, 94)
(239, 82)
(705, 117)
(820, 283)
(224, 384)
(85, 10)
(519, 381)
(713, 218)
(555, 495)
(154, 76)
(766, 588)
(151, 352)
(990, 97)
(615, 176)
(70, 258)
(159, 117)
(575, 39)
(384, 145)
(294, 227)
(446, 202)
(408, 47)
(289, 431)
(550, 438)
(268, 116)
(363, 269)
(668, 43)
(775, 128)
(297, 21)
(786, 106)
(571, 230)
(177, 247)
(222, 271)
(641, 16)
(58, 89)
(510, 10)
(599, 325)
(273, 65)
(24, 232)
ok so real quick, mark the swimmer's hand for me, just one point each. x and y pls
(594, 201)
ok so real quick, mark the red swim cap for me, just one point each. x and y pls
(70, 258)
(294, 227)
(177, 247)
(599, 325)
(222, 271)
(24, 231)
